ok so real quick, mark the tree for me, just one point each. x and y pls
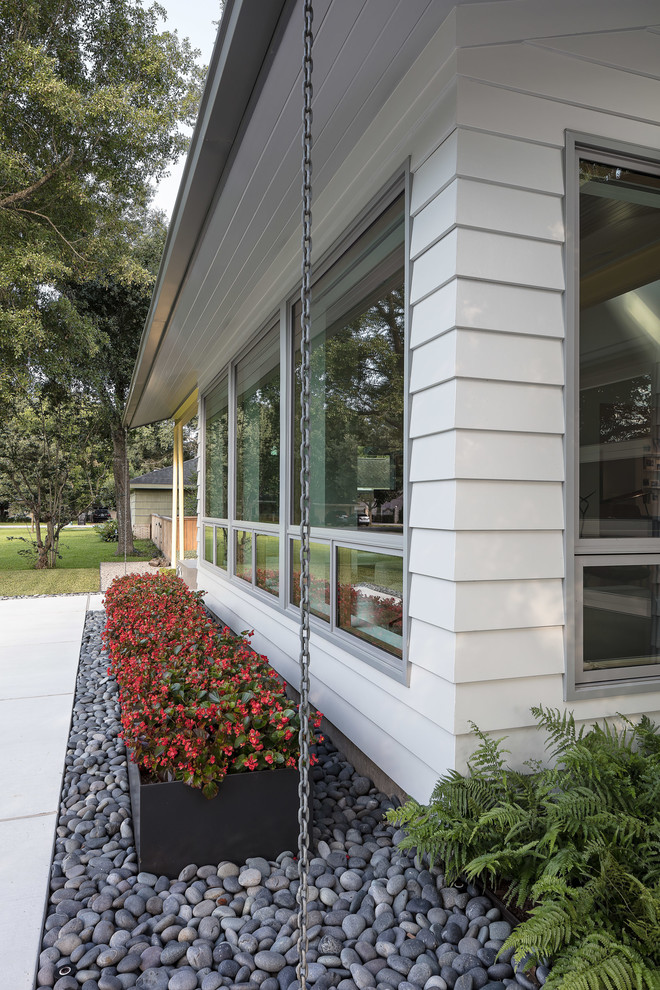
(115, 309)
(150, 447)
(49, 462)
(91, 99)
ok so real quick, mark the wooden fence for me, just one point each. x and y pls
(161, 533)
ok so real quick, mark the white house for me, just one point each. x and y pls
(486, 358)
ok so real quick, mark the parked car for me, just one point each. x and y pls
(100, 515)
(363, 519)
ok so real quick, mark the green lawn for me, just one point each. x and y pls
(78, 569)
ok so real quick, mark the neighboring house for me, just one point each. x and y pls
(486, 346)
(151, 493)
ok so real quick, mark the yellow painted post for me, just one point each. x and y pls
(181, 505)
(175, 492)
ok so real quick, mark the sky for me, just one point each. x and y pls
(192, 19)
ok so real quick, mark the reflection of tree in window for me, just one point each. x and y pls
(357, 415)
(216, 453)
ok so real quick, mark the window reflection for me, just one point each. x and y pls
(208, 544)
(268, 563)
(370, 597)
(621, 616)
(217, 410)
(319, 574)
(619, 352)
(244, 555)
(356, 401)
(221, 547)
(258, 432)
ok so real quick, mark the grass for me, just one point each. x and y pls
(78, 569)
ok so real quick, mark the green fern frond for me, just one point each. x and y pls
(601, 963)
(488, 759)
(560, 727)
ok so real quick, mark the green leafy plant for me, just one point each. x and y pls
(578, 843)
(108, 531)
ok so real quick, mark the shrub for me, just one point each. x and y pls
(108, 531)
(580, 840)
(196, 703)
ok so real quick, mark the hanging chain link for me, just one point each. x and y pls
(305, 372)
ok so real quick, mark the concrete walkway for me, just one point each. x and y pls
(39, 649)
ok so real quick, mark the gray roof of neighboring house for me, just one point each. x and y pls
(163, 476)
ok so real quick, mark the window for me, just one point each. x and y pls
(217, 446)
(258, 432)
(357, 451)
(356, 401)
(618, 419)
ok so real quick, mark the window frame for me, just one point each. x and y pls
(397, 543)
(581, 552)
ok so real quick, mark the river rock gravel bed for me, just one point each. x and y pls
(377, 918)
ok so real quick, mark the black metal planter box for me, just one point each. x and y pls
(253, 814)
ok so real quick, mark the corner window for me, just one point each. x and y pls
(618, 419)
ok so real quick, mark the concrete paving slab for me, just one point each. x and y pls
(39, 670)
(33, 737)
(48, 629)
(28, 842)
(39, 650)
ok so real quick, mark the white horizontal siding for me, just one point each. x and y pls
(487, 455)
(484, 555)
(480, 354)
(473, 404)
(483, 655)
(524, 116)
(487, 505)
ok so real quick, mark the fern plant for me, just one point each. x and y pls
(579, 839)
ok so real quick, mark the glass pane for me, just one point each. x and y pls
(221, 547)
(244, 555)
(619, 352)
(258, 432)
(208, 544)
(217, 413)
(268, 563)
(370, 597)
(319, 574)
(356, 402)
(621, 616)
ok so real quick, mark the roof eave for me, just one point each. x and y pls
(249, 35)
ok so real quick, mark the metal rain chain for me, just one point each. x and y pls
(305, 349)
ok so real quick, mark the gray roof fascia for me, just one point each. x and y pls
(248, 38)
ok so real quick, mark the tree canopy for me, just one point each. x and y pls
(92, 96)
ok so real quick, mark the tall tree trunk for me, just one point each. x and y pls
(122, 493)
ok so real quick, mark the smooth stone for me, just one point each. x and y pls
(464, 982)
(249, 878)
(362, 977)
(270, 962)
(499, 930)
(200, 956)
(183, 979)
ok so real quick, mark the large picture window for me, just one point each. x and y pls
(252, 471)
(618, 473)
(356, 401)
